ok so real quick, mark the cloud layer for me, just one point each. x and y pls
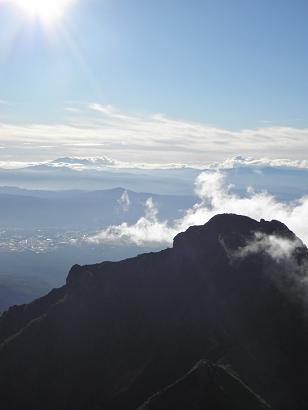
(214, 197)
(97, 129)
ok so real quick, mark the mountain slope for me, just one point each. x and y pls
(119, 332)
(206, 386)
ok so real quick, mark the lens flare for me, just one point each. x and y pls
(47, 11)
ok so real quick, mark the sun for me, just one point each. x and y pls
(47, 11)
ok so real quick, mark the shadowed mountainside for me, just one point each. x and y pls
(206, 386)
(195, 324)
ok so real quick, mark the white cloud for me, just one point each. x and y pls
(278, 248)
(288, 271)
(249, 162)
(148, 230)
(214, 197)
(152, 138)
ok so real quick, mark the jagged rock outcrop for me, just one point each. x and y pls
(119, 332)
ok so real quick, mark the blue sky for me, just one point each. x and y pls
(233, 63)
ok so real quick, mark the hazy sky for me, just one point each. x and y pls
(228, 65)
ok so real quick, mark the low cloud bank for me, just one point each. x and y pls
(148, 230)
(264, 162)
(101, 163)
(215, 197)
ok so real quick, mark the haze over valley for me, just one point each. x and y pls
(44, 232)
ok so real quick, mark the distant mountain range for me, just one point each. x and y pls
(218, 321)
(75, 209)
(99, 174)
(66, 173)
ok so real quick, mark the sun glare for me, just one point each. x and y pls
(46, 10)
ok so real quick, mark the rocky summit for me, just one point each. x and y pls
(219, 321)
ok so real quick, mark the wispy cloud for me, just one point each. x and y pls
(153, 138)
(124, 202)
(277, 247)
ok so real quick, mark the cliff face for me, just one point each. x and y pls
(230, 292)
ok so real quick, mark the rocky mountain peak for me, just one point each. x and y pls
(120, 333)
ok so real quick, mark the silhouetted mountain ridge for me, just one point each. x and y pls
(119, 332)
